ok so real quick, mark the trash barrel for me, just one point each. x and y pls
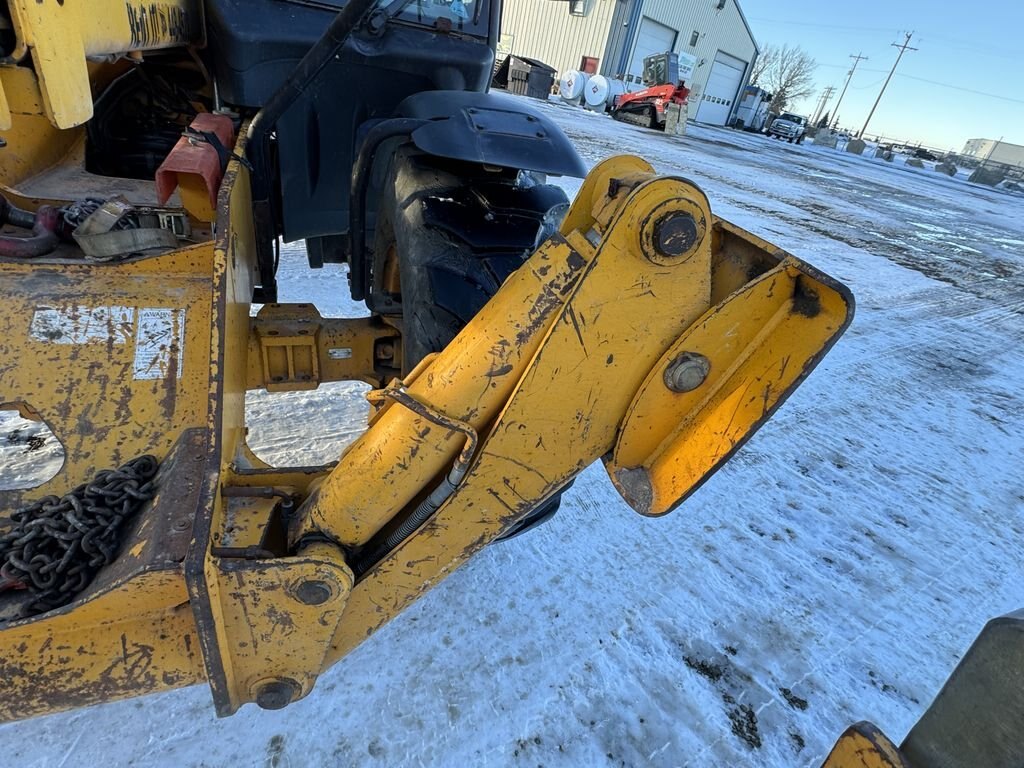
(529, 77)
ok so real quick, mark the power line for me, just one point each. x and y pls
(959, 88)
(835, 111)
(846, 66)
(924, 80)
(875, 84)
(821, 26)
(956, 42)
(984, 50)
(903, 49)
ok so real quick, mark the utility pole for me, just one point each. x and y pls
(829, 92)
(991, 152)
(817, 108)
(903, 49)
(849, 76)
(822, 101)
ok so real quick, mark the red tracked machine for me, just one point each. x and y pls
(647, 107)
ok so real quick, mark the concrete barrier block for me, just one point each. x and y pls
(856, 146)
(675, 119)
(988, 176)
(826, 138)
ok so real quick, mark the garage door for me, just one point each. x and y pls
(721, 90)
(652, 38)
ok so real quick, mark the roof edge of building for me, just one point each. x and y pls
(743, 18)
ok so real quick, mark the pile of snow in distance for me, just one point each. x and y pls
(834, 571)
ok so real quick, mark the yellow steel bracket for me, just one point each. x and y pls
(634, 333)
(721, 380)
(273, 619)
(62, 34)
(291, 347)
(5, 110)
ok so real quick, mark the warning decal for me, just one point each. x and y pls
(159, 343)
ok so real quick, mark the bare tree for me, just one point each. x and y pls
(762, 63)
(787, 72)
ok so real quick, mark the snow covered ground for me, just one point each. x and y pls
(834, 571)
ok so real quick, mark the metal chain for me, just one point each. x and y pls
(57, 545)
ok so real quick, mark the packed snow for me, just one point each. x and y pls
(834, 571)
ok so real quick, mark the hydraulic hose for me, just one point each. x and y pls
(409, 526)
(375, 551)
(43, 223)
(305, 72)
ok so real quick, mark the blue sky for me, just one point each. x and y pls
(962, 47)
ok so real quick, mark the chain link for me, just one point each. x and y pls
(57, 545)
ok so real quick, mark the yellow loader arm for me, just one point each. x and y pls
(648, 333)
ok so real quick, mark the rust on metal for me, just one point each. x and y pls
(863, 745)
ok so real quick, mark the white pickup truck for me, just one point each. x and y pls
(788, 126)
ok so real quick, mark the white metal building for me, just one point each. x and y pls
(996, 151)
(613, 37)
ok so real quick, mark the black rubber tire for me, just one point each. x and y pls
(460, 231)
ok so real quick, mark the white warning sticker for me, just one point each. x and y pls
(83, 325)
(158, 333)
(159, 343)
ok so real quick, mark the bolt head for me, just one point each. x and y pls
(313, 592)
(687, 372)
(277, 694)
(675, 234)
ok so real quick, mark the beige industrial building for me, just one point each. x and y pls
(996, 151)
(612, 37)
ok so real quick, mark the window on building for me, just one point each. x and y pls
(577, 7)
(694, 38)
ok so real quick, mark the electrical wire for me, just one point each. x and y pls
(865, 87)
(960, 88)
(823, 26)
(922, 80)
